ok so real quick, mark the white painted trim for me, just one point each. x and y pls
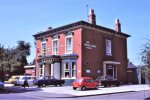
(43, 67)
(111, 62)
(29, 66)
(69, 36)
(52, 70)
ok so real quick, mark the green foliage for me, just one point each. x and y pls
(12, 60)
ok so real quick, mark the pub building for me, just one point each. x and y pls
(82, 49)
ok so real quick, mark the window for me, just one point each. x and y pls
(108, 47)
(44, 48)
(41, 71)
(55, 46)
(69, 70)
(67, 73)
(73, 69)
(69, 44)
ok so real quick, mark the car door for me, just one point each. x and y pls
(87, 83)
(53, 81)
(46, 80)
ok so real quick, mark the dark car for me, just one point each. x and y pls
(107, 81)
(84, 83)
(49, 80)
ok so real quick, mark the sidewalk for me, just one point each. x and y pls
(100, 91)
(67, 91)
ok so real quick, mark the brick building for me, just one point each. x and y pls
(82, 49)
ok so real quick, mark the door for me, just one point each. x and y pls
(110, 70)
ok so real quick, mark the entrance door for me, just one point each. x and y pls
(110, 70)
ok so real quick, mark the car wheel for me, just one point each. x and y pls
(117, 84)
(60, 84)
(83, 88)
(55, 84)
(39, 86)
(44, 85)
(15, 84)
(74, 88)
(105, 85)
(97, 86)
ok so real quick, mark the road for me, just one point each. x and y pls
(37, 95)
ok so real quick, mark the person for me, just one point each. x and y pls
(26, 82)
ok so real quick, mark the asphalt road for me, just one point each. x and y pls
(37, 95)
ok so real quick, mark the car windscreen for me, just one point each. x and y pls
(78, 80)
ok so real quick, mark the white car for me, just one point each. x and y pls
(30, 80)
(1, 85)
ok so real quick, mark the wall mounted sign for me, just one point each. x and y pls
(88, 45)
(88, 71)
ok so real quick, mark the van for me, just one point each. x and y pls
(30, 80)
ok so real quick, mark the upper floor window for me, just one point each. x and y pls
(55, 46)
(108, 47)
(44, 48)
(69, 44)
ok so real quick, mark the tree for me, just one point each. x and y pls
(13, 60)
(146, 60)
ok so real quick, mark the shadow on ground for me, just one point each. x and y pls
(18, 89)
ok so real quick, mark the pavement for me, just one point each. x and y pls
(67, 91)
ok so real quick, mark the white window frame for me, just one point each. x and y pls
(42, 50)
(73, 69)
(55, 53)
(71, 51)
(70, 70)
(41, 70)
(108, 47)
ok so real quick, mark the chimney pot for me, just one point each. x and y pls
(117, 25)
(92, 17)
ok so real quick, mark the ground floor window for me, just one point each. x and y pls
(41, 71)
(68, 69)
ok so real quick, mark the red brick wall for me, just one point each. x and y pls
(38, 51)
(30, 71)
(77, 44)
(93, 58)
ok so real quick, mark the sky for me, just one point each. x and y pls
(20, 19)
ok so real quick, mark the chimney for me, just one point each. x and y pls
(117, 25)
(92, 17)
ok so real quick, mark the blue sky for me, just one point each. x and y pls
(20, 19)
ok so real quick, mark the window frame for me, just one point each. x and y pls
(108, 45)
(55, 53)
(71, 51)
(70, 70)
(43, 51)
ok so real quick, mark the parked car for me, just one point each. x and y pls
(1, 85)
(30, 80)
(84, 83)
(107, 81)
(13, 79)
(49, 80)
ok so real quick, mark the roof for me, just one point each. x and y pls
(75, 25)
(131, 65)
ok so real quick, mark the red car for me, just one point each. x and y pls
(84, 83)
